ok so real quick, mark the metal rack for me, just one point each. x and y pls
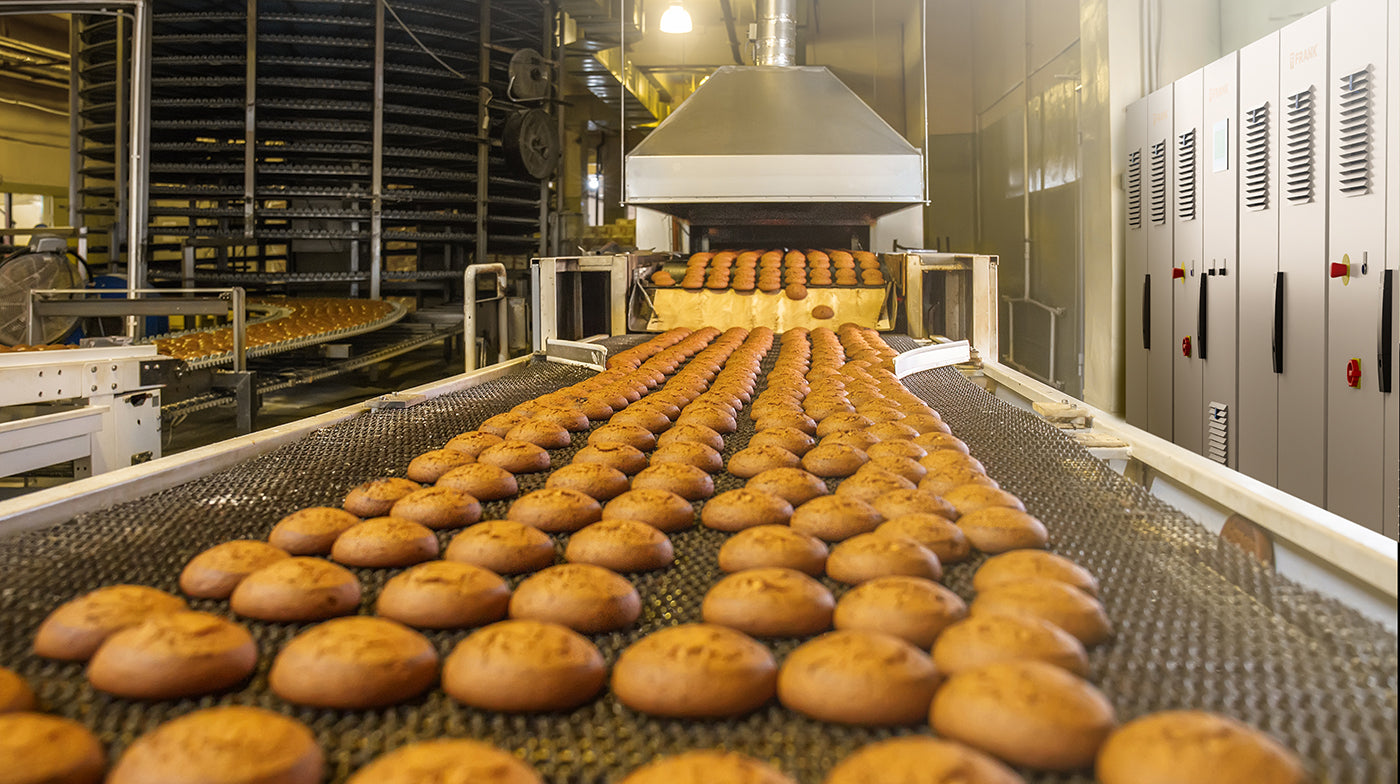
(356, 137)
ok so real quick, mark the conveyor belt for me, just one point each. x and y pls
(1198, 624)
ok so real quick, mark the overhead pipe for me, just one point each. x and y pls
(777, 33)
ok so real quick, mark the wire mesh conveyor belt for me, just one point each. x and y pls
(1197, 624)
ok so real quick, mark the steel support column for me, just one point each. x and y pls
(376, 207)
(483, 145)
(250, 123)
(75, 160)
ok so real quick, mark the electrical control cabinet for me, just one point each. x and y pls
(1161, 209)
(1138, 279)
(1260, 285)
(1216, 339)
(1360, 372)
(1187, 268)
(1302, 254)
(1262, 261)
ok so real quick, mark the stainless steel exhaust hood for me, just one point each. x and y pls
(794, 139)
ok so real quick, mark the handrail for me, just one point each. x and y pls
(469, 312)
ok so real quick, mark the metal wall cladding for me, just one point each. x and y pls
(1029, 169)
(1057, 268)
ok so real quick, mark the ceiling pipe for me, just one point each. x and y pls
(729, 22)
(777, 32)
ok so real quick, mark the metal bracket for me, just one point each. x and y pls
(245, 395)
(396, 401)
(929, 357)
(572, 352)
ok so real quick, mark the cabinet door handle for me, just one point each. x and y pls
(1278, 322)
(1201, 320)
(1386, 344)
(1147, 312)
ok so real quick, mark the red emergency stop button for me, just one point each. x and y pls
(1354, 373)
(1340, 270)
(1186, 346)
(1178, 273)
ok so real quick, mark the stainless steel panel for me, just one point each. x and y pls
(1187, 414)
(1135, 267)
(1302, 256)
(1356, 160)
(657, 180)
(804, 136)
(1220, 167)
(1161, 209)
(748, 110)
(1260, 117)
(1056, 276)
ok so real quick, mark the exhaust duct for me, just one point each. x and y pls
(777, 32)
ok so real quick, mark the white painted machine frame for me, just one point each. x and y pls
(470, 301)
(981, 277)
(114, 421)
(546, 287)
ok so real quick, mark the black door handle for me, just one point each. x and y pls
(1278, 322)
(1201, 320)
(1147, 312)
(1386, 344)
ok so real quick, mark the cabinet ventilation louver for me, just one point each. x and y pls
(1218, 432)
(1256, 158)
(1158, 183)
(1354, 144)
(1186, 176)
(1135, 189)
(1298, 148)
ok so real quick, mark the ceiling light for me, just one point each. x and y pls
(676, 19)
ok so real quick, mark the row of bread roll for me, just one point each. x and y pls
(144, 644)
(822, 681)
(775, 270)
(38, 748)
(560, 600)
(1014, 605)
(400, 510)
(244, 743)
(1017, 669)
(1015, 664)
(233, 744)
(309, 316)
(25, 347)
(557, 602)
